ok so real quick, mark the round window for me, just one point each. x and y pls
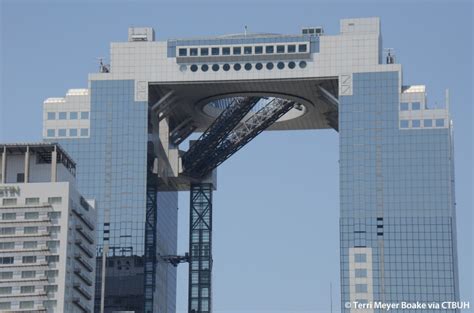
(194, 68)
(281, 65)
(226, 67)
(291, 65)
(248, 66)
(259, 66)
(183, 68)
(204, 67)
(215, 67)
(237, 66)
(269, 66)
(302, 64)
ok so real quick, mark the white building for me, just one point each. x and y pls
(47, 239)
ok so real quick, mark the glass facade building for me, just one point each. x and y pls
(397, 222)
(397, 208)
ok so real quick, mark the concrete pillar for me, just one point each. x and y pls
(27, 165)
(54, 168)
(4, 166)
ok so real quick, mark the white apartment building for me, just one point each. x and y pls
(47, 238)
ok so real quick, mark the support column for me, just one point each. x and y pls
(27, 165)
(4, 165)
(54, 165)
(200, 248)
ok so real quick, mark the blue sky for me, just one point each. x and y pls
(276, 245)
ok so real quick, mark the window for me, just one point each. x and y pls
(6, 275)
(49, 304)
(28, 274)
(281, 65)
(215, 51)
(361, 288)
(53, 229)
(51, 115)
(5, 305)
(291, 48)
(27, 304)
(247, 50)
(73, 132)
(28, 259)
(291, 64)
(236, 50)
(226, 67)
(32, 201)
(62, 115)
(27, 289)
(6, 260)
(50, 288)
(360, 272)
(182, 52)
(415, 123)
(194, 68)
(52, 244)
(302, 48)
(439, 122)
(54, 215)
(204, 51)
(404, 106)
(52, 258)
(269, 49)
(428, 123)
(51, 273)
(215, 67)
(55, 200)
(269, 65)
(280, 49)
(84, 115)
(7, 230)
(62, 132)
(360, 257)
(193, 52)
(31, 215)
(415, 106)
(20, 177)
(248, 66)
(258, 50)
(404, 124)
(50, 133)
(226, 51)
(84, 132)
(7, 245)
(302, 64)
(30, 230)
(259, 66)
(73, 115)
(237, 66)
(204, 67)
(8, 216)
(9, 201)
(30, 244)
(5, 290)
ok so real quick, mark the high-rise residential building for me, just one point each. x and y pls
(397, 211)
(47, 239)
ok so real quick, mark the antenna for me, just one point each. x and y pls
(103, 68)
(390, 59)
(330, 295)
(245, 30)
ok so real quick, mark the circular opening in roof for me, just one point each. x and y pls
(216, 107)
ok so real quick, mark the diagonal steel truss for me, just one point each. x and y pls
(239, 137)
(219, 129)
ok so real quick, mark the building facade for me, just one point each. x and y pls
(397, 213)
(47, 235)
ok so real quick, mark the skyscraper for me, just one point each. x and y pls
(397, 218)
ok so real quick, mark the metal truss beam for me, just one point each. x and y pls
(219, 129)
(200, 248)
(332, 116)
(242, 134)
